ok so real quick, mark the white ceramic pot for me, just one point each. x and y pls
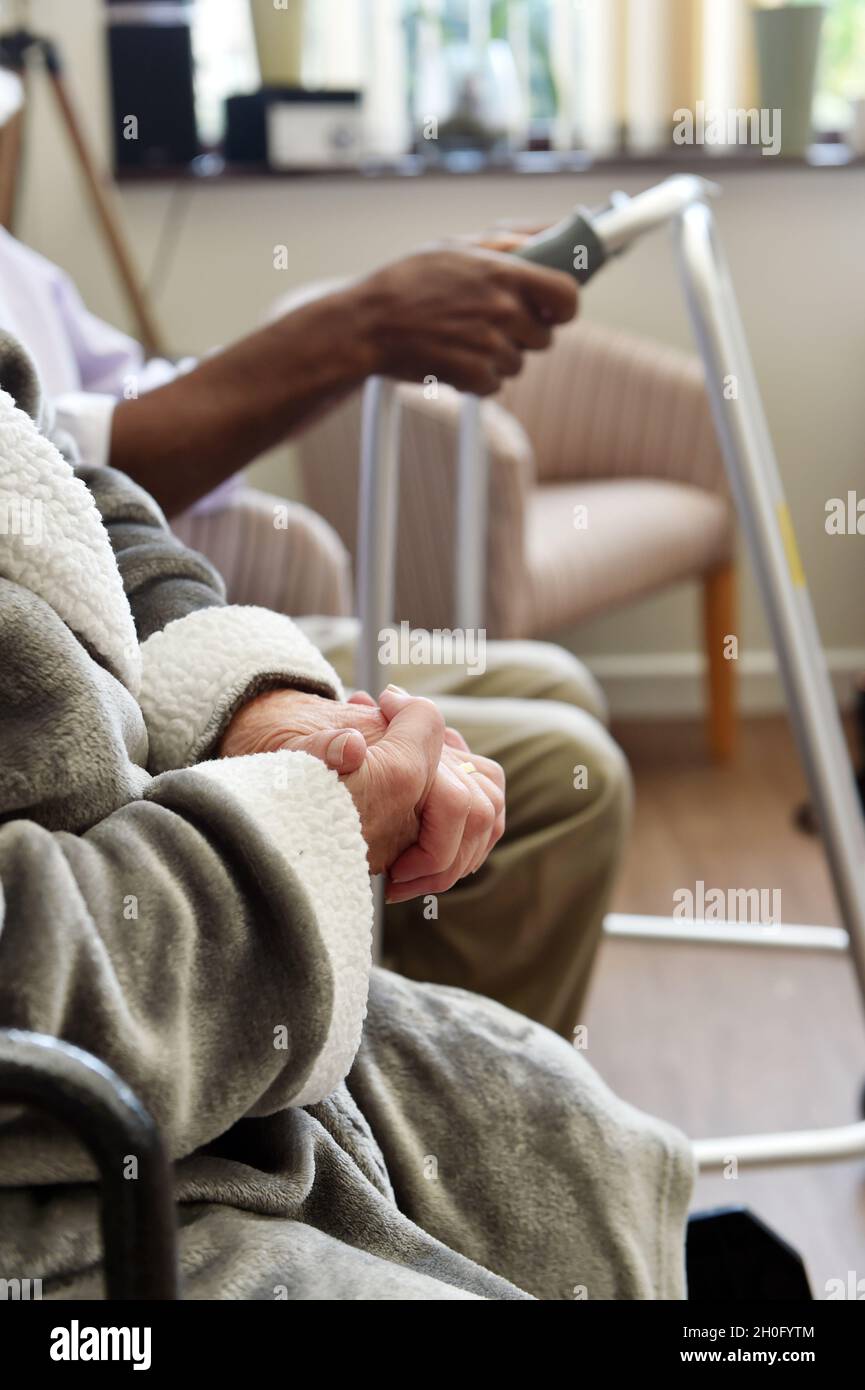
(857, 126)
(788, 44)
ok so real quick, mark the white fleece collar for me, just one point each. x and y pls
(53, 542)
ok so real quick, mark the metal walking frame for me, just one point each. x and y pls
(765, 519)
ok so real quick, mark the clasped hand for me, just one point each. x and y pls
(430, 810)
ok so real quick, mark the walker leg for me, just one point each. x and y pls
(719, 623)
(472, 511)
(376, 550)
(765, 519)
(377, 524)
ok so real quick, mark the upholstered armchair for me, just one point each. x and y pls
(272, 553)
(606, 484)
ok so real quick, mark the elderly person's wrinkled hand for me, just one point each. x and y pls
(430, 810)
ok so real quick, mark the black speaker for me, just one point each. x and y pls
(246, 128)
(152, 84)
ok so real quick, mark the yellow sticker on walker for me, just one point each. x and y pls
(791, 547)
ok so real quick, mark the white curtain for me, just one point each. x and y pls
(388, 129)
(621, 67)
(601, 74)
(333, 43)
(642, 60)
(727, 55)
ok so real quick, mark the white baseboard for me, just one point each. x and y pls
(670, 685)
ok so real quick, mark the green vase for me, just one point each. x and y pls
(279, 41)
(788, 45)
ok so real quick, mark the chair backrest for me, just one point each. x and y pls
(607, 404)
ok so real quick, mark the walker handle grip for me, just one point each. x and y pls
(572, 246)
(583, 241)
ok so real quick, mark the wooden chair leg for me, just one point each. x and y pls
(719, 627)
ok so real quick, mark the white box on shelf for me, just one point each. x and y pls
(314, 129)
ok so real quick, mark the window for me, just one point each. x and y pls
(223, 49)
(526, 27)
(841, 76)
(560, 73)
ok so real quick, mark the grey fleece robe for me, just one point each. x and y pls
(204, 927)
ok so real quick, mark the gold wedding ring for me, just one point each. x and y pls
(468, 767)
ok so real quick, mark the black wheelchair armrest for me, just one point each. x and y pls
(137, 1207)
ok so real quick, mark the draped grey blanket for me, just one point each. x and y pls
(203, 926)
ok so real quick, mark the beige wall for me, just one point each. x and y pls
(794, 239)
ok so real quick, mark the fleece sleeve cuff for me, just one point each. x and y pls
(314, 825)
(201, 668)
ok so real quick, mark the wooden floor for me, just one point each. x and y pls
(722, 1041)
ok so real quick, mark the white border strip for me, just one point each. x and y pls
(687, 929)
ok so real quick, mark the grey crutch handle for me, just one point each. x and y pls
(572, 246)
